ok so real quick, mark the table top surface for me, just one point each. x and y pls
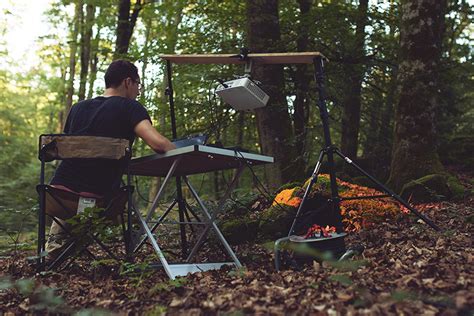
(195, 159)
(260, 58)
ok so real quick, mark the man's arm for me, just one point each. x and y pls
(150, 135)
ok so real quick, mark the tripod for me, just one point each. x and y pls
(329, 152)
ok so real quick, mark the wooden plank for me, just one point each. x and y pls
(266, 58)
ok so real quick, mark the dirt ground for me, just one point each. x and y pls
(406, 268)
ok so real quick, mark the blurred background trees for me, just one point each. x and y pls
(368, 45)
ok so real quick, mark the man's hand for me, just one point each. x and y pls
(150, 135)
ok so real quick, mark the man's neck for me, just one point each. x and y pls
(112, 92)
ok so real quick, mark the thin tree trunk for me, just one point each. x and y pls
(62, 99)
(384, 141)
(414, 150)
(378, 145)
(171, 41)
(86, 36)
(273, 121)
(72, 58)
(302, 80)
(93, 67)
(125, 25)
(240, 130)
(355, 73)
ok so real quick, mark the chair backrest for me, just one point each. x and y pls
(61, 146)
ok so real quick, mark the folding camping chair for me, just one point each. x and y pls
(62, 204)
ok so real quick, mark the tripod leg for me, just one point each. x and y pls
(193, 213)
(314, 178)
(388, 191)
(186, 214)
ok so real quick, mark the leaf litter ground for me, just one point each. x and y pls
(406, 268)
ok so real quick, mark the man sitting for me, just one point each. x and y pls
(116, 114)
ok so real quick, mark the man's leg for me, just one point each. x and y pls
(57, 238)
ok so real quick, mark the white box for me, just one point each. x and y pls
(242, 94)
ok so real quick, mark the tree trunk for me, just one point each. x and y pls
(62, 100)
(125, 25)
(273, 121)
(377, 148)
(302, 80)
(240, 129)
(93, 66)
(414, 150)
(171, 35)
(352, 100)
(72, 59)
(86, 36)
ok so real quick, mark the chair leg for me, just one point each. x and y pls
(105, 248)
(128, 240)
(40, 262)
(63, 256)
(66, 252)
(79, 253)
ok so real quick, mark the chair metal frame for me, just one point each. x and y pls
(62, 146)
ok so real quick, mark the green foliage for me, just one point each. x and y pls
(168, 286)
(15, 229)
(239, 273)
(341, 278)
(432, 187)
(348, 265)
(470, 219)
(92, 222)
(41, 298)
(32, 103)
(93, 312)
(402, 295)
(103, 263)
(156, 310)
(137, 272)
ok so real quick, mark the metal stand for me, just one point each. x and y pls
(179, 192)
(174, 270)
(329, 151)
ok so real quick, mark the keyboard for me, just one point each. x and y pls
(190, 141)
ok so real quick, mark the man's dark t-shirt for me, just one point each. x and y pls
(103, 116)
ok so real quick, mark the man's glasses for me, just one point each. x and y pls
(139, 84)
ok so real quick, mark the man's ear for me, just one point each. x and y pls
(126, 82)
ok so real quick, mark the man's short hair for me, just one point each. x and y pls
(119, 70)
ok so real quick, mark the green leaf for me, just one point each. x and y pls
(93, 312)
(5, 283)
(341, 278)
(25, 286)
(402, 295)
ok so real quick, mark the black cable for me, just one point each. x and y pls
(141, 196)
(266, 193)
(137, 187)
(216, 124)
(268, 196)
(202, 183)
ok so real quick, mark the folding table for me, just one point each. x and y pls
(180, 163)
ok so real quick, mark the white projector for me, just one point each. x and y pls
(242, 94)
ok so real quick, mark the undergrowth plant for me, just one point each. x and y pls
(356, 214)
